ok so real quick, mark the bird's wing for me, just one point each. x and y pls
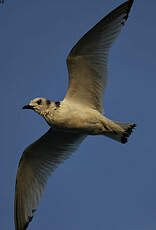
(36, 164)
(87, 61)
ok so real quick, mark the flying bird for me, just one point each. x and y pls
(71, 120)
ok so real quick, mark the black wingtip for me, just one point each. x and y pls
(129, 5)
(26, 225)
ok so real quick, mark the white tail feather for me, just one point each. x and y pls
(121, 135)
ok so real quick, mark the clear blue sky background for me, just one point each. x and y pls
(104, 185)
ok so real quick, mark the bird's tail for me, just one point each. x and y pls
(120, 131)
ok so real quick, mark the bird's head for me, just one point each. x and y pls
(39, 105)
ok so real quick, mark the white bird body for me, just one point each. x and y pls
(72, 117)
(71, 120)
(75, 117)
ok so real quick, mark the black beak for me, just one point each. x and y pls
(27, 107)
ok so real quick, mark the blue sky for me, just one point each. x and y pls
(104, 185)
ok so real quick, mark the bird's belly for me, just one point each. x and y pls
(77, 121)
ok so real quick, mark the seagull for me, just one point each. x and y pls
(80, 114)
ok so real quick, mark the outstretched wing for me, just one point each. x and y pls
(87, 61)
(36, 164)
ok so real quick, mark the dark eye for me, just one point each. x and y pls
(39, 102)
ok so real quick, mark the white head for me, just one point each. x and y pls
(39, 105)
